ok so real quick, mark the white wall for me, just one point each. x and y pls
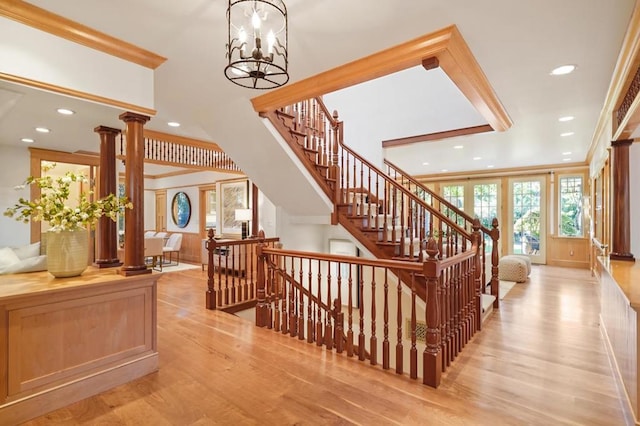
(15, 169)
(149, 210)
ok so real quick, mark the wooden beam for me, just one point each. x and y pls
(446, 45)
(429, 137)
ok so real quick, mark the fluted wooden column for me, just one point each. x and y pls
(621, 214)
(107, 229)
(134, 190)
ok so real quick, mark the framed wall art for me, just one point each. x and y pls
(233, 195)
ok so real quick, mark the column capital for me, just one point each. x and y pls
(107, 130)
(622, 142)
(132, 116)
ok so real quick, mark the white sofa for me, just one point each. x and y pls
(15, 260)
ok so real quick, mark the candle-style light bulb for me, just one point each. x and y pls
(271, 40)
(255, 20)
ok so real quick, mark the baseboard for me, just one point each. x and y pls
(38, 404)
(625, 402)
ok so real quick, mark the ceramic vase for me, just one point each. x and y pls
(67, 253)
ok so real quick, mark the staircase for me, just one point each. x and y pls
(389, 213)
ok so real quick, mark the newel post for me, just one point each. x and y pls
(334, 169)
(495, 282)
(210, 297)
(477, 275)
(262, 309)
(432, 356)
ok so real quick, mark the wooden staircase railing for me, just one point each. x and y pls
(232, 272)
(458, 216)
(391, 221)
(359, 306)
(172, 150)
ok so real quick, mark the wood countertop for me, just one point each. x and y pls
(627, 276)
(16, 285)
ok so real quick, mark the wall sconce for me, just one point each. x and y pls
(244, 216)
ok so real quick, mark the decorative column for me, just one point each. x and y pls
(621, 214)
(107, 229)
(134, 190)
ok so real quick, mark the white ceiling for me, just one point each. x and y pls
(516, 43)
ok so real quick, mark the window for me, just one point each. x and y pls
(455, 195)
(210, 209)
(570, 206)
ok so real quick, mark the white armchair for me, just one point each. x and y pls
(154, 250)
(173, 246)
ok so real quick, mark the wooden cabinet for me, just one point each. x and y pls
(65, 339)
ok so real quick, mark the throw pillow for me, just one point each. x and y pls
(31, 264)
(24, 252)
(7, 257)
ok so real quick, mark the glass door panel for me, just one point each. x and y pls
(485, 207)
(527, 218)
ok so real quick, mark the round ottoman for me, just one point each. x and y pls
(513, 268)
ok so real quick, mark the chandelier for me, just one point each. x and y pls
(257, 43)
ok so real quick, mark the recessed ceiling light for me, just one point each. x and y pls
(566, 159)
(65, 111)
(173, 124)
(564, 69)
(445, 170)
(566, 134)
(566, 118)
(566, 153)
(477, 158)
(458, 147)
(42, 130)
(27, 140)
(490, 166)
(425, 164)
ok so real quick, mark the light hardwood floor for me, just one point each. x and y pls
(540, 360)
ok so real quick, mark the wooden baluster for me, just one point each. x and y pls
(361, 349)
(385, 341)
(310, 322)
(477, 306)
(301, 304)
(328, 327)
(339, 321)
(373, 340)
(413, 352)
(319, 339)
(495, 282)
(445, 343)
(350, 313)
(399, 319)
(283, 291)
(210, 297)
(432, 356)
(367, 213)
(293, 315)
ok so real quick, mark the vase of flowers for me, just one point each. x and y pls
(67, 239)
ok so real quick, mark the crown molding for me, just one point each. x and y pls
(446, 45)
(57, 25)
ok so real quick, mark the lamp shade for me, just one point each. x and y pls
(243, 215)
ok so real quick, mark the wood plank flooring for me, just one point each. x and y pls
(540, 360)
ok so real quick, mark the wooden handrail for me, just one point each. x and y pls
(435, 195)
(409, 194)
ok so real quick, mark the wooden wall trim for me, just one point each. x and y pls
(198, 143)
(76, 94)
(446, 45)
(496, 173)
(624, 71)
(60, 26)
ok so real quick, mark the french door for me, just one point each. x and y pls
(527, 218)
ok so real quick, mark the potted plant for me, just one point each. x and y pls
(67, 238)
